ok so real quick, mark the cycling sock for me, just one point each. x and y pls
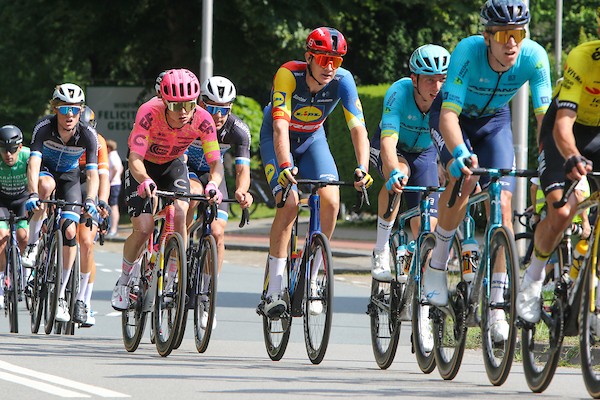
(384, 228)
(276, 269)
(1, 285)
(126, 269)
(85, 278)
(499, 281)
(439, 254)
(34, 230)
(316, 266)
(65, 281)
(205, 285)
(88, 294)
(537, 268)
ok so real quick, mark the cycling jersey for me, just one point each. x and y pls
(580, 88)
(156, 141)
(13, 180)
(233, 132)
(403, 120)
(475, 90)
(59, 156)
(291, 99)
(102, 157)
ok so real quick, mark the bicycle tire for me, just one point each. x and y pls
(53, 279)
(383, 314)
(498, 356)
(133, 320)
(188, 295)
(71, 294)
(449, 323)
(541, 343)
(589, 339)
(317, 326)
(206, 297)
(39, 292)
(527, 238)
(170, 304)
(12, 291)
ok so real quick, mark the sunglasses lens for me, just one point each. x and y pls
(64, 110)
(504, 36)
(215, 109)
(182, 105)
(11, 150)
(324, 60)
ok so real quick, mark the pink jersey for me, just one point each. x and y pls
(159, 143)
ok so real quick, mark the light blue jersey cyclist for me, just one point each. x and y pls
(471, 119)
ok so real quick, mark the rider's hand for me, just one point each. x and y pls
(287, 174)
(460, 154)
(577, 166)
(218, 197)
(244, 198)
(90, 207)
(103, 209)
(362, 178)
(396, 182)
(146, 188)
(33, 202)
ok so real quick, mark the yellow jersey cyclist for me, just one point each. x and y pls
(569, 148)
(13, 191)
(471, 118)
(218, 94)
(292, 141)
(164, 128)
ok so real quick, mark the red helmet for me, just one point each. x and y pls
(327, 40)
(179, 85)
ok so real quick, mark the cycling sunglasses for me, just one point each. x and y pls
(224, 110)
(64, 110)
(10, 149)
(181, 105)
(504, 36)
(323, 60)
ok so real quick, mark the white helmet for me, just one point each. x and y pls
(69, 93)
(159, 79)
(218, 89)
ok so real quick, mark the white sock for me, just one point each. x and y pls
(537, 268)
(316, 266)
(65, 280)
(439, 254)
(85, 278)
(34, 230)
(499, 281)
(384, 229)
(1, 285)
(276, 269)
(88, 295)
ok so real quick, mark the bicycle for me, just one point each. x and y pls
(202, 270)
(14, 277)
(526, 219)
(304, 286)
(470, 303)
(158, 283)
(569, 307)
(47, 273)
(396, 301)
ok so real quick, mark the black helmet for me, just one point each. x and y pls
(89, 116)
(10, 136)
(504, 12)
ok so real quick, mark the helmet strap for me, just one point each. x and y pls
(311, 74)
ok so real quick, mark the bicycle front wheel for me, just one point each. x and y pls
(498, 305)
(12, 290)
(39, 291)
(53, 279)
(206, 298)
(71, 294)
(589, 330)
(133, 320)
(170, 301)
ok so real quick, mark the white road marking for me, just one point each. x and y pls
(95, 390)
(106, 270)
(114, 314)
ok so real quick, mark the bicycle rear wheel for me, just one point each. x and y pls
(384, 317)
(71, 294)
(498, 355)
(53, 278)
(133, 320)
(527, 239)
(39, 291)
(276, 332)
(318, 298)
(206, 299)
(541, 342)
(589, 330)
(11, 292)
(170, 301)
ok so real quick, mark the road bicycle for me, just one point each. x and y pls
(47, 273)
(202, 270)
(471, 303)
(14, 275)
(569, 307)
(305, 282)
(158, 283)
(396, 301)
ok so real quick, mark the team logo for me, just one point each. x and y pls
(358, 104)
(593, 91)
(270, 171)
(308, 114)
(278, 99)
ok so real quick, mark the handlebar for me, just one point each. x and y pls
(316, 184)
(571, 185)
(393, 197)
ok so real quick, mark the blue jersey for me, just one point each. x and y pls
(473, 89)
(403, 120)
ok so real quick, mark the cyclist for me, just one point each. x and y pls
(218, 94)
(569, 148)
(292, 140)
(115, 168)
(402, 148)
(86, 235)
(13, 191)
(471, 116)
(164, 128)
(56, 145)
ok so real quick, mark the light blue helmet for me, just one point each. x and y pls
(504, 12)
(429, 59)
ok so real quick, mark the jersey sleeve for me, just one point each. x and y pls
(571, 88)
(208, 136)
(540, 84)
(91, 147)
(40, 132)
(284, 85)
(102, 156)
(241, 143)
(351, 102)
(454, 91)
(390, 117)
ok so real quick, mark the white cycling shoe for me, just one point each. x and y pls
(529, 300)
(380, 265)
(435, 286)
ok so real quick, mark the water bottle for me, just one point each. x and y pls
(470, 256)
(401, 262)
(410, 250)
(580, 250)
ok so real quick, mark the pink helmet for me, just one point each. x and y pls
(179, 85)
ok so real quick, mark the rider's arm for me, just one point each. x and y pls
(33, 173)
(242, 184)
(216, 172)
(360, 140)
(281, 140)
(92, 182)
(450, 129)
(563, 132)
(137, 167)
